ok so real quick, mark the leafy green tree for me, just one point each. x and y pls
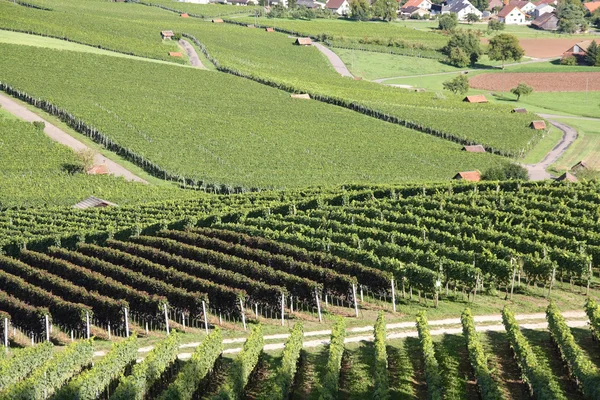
(457, 85)
(508, 171)
(360, 9)
(495, 25)
(592, 55)
(469, 44)
(522, 89)
(505, 47)
(447, 22)
(472, 17)
(571, 16)
(595, 18)
(292, 4)
(481, 5)
(387, 10)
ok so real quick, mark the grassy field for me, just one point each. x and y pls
(546, 144)
(586, 148)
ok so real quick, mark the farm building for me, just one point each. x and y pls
(526, 6)
(269, 29)
(217, 21)
(424, 4)
(303, 41)
(340, 7)
(519, 110)
(592, 6)
(184, 15)
(461, 8)
(542, 9)
(470, 176)
(195, 1)
(538, 125)
(167, 34)
(98, 170)
(175, 54)
(477, 148)
(410, 11)
(478, 98)
(551, 2)
(578, 50)
(94, 202)
(242, 2)
(512, 15)
(495, 4)
(546, 22)
(567, 177)
(579, 167)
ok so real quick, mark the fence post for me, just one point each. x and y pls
(109, 334)
(47, 328)
(243, 313)
(282, 309)
(394, 296)
(6, 333)
(362, 298)
(166, 317)
(318, 306)
(126, 322)
(87, 324)
(355, 300)
(205, 317)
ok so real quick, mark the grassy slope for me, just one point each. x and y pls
(586, 147)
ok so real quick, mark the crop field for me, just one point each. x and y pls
(540, 82)
(202, 10)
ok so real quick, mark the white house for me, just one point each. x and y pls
(512, 15)
(526, 6)
(461, 8)
(542, 9)
(341, 7)
(423, 4)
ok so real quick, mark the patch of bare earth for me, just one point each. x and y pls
(540, 81)
(545, 47)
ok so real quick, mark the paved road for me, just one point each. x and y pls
(62, 137)
(191, 52)
(537, 172)
(335, 60)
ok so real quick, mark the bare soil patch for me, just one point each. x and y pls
(540, 81)
(545, 47)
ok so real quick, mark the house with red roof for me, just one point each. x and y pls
(423, 4)
(512, 15)
(470, 176)
(526, 6)
(592, 6)
(340, 7)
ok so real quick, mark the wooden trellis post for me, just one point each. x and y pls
(6, 333)
(87, 325)
(355, 300)
(394, 296)
(318, 306)
(512, 286)
(126, 322)
(166, 318)
(282, 309)
(47, 328)
(243, 313)
(205, 317)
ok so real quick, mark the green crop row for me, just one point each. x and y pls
(380, 379)
(433, 378)
(593, 312)
(330, 382)
(286, 373)
(17, 367)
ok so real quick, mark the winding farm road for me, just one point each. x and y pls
(192, 54)
(335, 60)
(60, 136)
(537, 172)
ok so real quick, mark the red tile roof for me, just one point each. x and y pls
(478, 98)
(217, 20)
(593, 6)
(471, 176)
(304, 41)
(270, 30)
(507, 10)
(474, 149)
(412, 3)
(537, 125)
(98, 170)
(175, 54)
(184, 15)
(334, 4)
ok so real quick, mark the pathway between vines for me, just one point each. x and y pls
(335, 60)
(192, 54)
(60, 136)
(575, 319)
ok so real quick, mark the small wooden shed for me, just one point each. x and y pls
(250, 26)
(269, 29)
(477, 98)
(477, 148)
(167, 34)
(304, 96)
(94, 202)
(470, 176)
(567, 177)
(175, 54)
(184, 15)
(579, 167)
(519, 110)
(217, 20)
(100, 169)
(538, 125)
(303, 41)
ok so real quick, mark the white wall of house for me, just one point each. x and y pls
(195, 1)
(344, 8)
(528, 8)
(425, 5)
(516, 17)
(543, 9)
(462, 14)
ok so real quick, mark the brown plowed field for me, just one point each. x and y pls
(545, 47)
(540, 81)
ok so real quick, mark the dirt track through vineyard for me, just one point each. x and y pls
(540, 81)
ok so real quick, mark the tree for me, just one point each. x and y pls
(571, 16)
(481, 5)
(595, 18)
(86, 158)
(472, 17)
(468, 42)
(292, 4)
(522, 89)
(447, 22)
(360, 9)
(507, 171)
(495, 25)
(387, 10)
(457, 85)
(505, 47)
(592, 55)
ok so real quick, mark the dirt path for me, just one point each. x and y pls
(191, 52)
(64, 138)
(574, 319)
(537, 172)
(335, 60)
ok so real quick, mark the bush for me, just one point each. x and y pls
(40, 125)
(289, 362)
(447, 22)
(334, 362)
(569, 60)
(381, 390)
(508, 171)
(435, 386)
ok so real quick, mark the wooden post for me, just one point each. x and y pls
(292, 303)
(166, 318)
(147, 328)
(127, 321)
(326, 302)
(256, 310)
(282, 309)
(362, 299)
(591, 271)
(318, 306)
(220, 319)
(403, 290)
(47, 328)
(512, 286)
(71, 335)
(243, 313)
(6, 333)
(183, 320)
(206, 317)
(551, 281)
(109, 334)
(394, 295)
(355, 300)
(87, 324)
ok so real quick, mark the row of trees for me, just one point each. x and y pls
(464, 48)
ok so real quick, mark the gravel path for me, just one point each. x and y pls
(191, 52)
(60, 136)
(537, 172)
(574, 319)
(335, 60)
